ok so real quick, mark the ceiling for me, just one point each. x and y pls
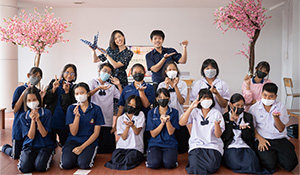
(136, 3)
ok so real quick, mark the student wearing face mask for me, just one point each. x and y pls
(103, 94)
(84, 120)
(252, 86)
(270, 119)
(238, 138)
(178, 93)
(38, 148)
(205, 143)
(34, 76)
(58, 98)
(210, 80)
(130, 126)
(162, 122)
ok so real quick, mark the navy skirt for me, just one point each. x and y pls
(204, 161)
(243, 160)
(125, 159)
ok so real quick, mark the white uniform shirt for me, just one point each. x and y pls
(264, 121)
(106, 102)
(203, 136)
(220, 85)
(132, 141)
(174, 103)
(237, 141)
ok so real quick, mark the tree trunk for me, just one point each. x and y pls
(252, 52)
(37, 59)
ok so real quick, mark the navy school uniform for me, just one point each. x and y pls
(36, 153)
(162, 150)
(239, 154)
(14, 151)
(58, 104)
(88, 120)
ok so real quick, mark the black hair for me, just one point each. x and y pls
(85, 86)
(35, 70)
(66, 67)
(112, 43)
(206, 93)
(164, 74)
(164, 91)
(157, 33)
(208, 62)
(35, 91)
(270, 87)
(235, 98)
(138, 65)
(107, 65)
(138, 104)
(263, 64)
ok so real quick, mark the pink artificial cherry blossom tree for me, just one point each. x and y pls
(246, 15)
(35, 31)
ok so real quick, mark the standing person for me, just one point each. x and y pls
(34, 76)
(103, 94)
(252, 87)
(38, 148)
(206, 145)
(178, 93)
(130, 126)
(159, 56)
(59, 97)
(162, 122)
(238, 138)
(272, 144)
(117, 55)
(210, 80)
(84, 120)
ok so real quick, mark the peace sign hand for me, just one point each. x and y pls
(43, 91)
(233, 116)
(56, 83)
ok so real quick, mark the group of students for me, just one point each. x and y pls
(250, 137)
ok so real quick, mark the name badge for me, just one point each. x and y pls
(92, 121)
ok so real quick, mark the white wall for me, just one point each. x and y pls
(193, 24)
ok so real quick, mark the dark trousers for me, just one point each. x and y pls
(158, 156)
(125, 159)
(281, 151)
(13, 151)
(62, 135)
(182, 135)
(84, 160)
(35, 159)
(107, 141)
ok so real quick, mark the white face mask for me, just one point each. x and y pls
(172, 74)
(81, 98)
(267, 102)
(206, 104)
(33, 105)
(210, 73)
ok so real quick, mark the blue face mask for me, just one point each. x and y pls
(104, 76)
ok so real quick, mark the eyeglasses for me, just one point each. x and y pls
(106, 71)
(69, 73)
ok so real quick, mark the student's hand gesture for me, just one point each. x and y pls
(276, 113)
(175, 81)
(167, 82)
(247, 79)
(217, 122)
(184, 43)
(233, 116)
(141, 88)
(213, 90)
(66, 87)
(167, 55)
(113, 129)
(76, 111)
(56, 83)
(128, 123)
(103, 51)
(77, 150)
(163, 118)
(115, 81)
(195, 103)
(244, 125)
(104, 87)
(263, 144)
(43, 91)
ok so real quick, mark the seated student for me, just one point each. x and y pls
(270, 118)
(206, 146)
(252, 86)
(130, 147)
(162, 122)
(59, 96)
(38, 148)
(210, 80)
(84, 120)
(159, 56)
(178, 93)
(238, 138)
(103, 94)
(34, 76)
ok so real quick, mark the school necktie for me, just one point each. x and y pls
(236, 126)
(171, 89)
(102, 92)
(209, 86)
(204, 121)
